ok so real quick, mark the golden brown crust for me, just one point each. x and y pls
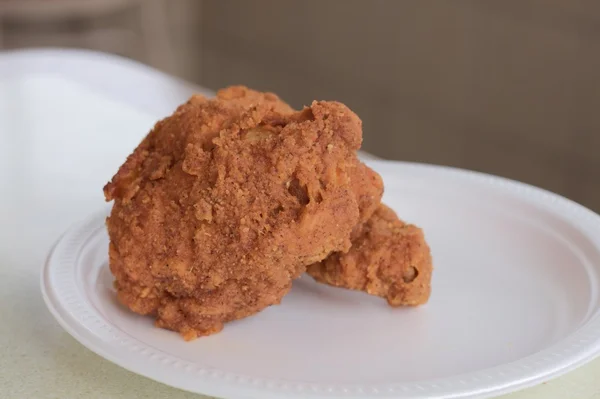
(228, 200)
(247, 98)
(389, 259)
(368, 187)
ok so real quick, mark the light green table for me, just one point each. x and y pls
(45, 186)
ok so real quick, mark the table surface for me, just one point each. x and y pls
(67, 120)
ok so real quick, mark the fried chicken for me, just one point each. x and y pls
(246, 98)
(228, 200)
(366, 183)
(388, 258)
(379, 238)
(368, 187)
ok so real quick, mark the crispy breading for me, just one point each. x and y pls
(388, 258)
(228, 200)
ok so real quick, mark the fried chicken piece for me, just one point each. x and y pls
(246, 98)
(388, 258)
(228, 200)
(366, 183)
(368, 186)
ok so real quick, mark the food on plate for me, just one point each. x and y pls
(388, 258)
(366, 183)
(227, 201)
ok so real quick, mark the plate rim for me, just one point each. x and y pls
(468, 385)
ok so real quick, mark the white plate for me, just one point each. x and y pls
(515, 302)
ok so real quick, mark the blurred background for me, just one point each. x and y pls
(509, 87)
